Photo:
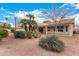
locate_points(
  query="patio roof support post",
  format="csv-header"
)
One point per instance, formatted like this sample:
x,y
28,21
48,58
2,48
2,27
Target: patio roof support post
x,y
70,29
64,29
46,30
56,29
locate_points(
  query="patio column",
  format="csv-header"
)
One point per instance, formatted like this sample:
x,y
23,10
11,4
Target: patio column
x,y
70,29
64,29
46,30
56,29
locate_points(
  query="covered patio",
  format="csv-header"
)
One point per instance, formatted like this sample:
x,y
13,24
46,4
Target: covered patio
x,y
62,27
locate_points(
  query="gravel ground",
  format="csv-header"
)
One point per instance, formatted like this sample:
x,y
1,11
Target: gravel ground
x,y
24,47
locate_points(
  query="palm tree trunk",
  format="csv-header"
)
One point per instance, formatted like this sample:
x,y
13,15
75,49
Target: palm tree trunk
x,y
25,27
15,23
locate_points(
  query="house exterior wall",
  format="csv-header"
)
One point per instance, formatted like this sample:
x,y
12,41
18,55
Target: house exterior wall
x,y
54,29
66,31
71,29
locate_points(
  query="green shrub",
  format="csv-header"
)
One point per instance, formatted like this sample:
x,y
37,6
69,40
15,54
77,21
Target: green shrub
x,y
51,42
34,34
29,34
20,34
3,33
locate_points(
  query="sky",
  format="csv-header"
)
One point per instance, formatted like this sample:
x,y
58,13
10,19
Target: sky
x,y
11,10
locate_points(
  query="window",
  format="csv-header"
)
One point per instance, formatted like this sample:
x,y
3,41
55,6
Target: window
x,y
53,28
60,28
48,28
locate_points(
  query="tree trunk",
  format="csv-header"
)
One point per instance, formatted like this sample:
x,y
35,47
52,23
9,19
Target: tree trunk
x,y
25,27
30,27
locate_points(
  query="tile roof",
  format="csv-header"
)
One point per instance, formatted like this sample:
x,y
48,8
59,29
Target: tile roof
x,y
61,22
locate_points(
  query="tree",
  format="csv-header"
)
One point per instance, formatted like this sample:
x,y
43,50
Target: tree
x,y
24,23
46,21
6,18
29,25
57,13
15,18
5,24
31,17
9,26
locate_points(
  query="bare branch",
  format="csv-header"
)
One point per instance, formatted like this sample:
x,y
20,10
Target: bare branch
x,y
55,13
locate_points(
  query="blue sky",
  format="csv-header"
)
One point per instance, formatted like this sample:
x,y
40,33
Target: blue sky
x,y
27,6
11,9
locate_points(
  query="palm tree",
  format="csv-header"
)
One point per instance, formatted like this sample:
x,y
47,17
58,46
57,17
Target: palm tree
x,y
29,25
31,17
46,21
5,24
6,18
30,20
15,18
9,26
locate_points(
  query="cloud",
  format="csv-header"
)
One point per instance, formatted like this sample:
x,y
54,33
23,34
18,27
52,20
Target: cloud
x,y
36,13
39,17
63,5
21,14
76,19
8,16
2,9
12,25
74,5
12,13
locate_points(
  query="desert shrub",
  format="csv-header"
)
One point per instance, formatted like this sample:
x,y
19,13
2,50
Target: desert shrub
x,y
12,30
32,34
51,42
0,38
20,34
76,32
36,34
3,33
41,30
1,26
29,34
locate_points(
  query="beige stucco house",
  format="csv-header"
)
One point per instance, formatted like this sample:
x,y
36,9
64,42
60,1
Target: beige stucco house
x,y
62,27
